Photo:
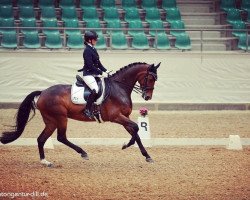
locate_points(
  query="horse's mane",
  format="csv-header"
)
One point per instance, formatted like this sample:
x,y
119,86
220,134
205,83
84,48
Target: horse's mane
x,y
126,67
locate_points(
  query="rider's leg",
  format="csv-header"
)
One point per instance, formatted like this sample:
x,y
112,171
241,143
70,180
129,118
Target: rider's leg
x,y
91,82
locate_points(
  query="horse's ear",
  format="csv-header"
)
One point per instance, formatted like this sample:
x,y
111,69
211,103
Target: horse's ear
x,y
158,65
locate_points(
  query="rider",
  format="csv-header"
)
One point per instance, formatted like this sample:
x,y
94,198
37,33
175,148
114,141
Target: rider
x,y
92,68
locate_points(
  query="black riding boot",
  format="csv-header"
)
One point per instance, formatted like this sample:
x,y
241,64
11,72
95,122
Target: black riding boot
x,y
91,99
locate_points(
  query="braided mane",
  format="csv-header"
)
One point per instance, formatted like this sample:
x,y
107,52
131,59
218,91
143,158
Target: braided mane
x,y
126,67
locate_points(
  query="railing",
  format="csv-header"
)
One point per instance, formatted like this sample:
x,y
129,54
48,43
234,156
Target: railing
x,y
146,30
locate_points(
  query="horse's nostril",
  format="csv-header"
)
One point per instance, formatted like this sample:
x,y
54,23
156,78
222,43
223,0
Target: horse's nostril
x,y
147,98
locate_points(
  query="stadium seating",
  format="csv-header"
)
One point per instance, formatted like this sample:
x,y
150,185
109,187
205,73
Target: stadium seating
x,y
94,25
6,2
69,13
140,41
166,4
90,14
115,25
238,25
183,42
46,4
8,22
66,4
245,5
50,23
177,25
26,12
118,41
29,23
53,41
227,4
111,14
233,15
162,42
173,14
149,4
137,26
132,14
31,40
75,41
25,3
87,4
153,14
154,26
72,23
242,44
107,4
6,11
48,13
9,40
126,4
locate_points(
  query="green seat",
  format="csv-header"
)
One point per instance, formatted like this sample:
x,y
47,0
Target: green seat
x,y
6,11
9,40
140,41
48,13
31,40
73,23
50,23
245,5
154,26
90,14
107,4
115,25
132,14
30,22
183,42
233,15
94,25
6,2
118,41
173,14
25,3
149,4
238,25
242,43
66,4
26,12
166,4
8,22
75,41
111,14
177,25
101,42
53,41
162,41
128,4
135,25
46,3
69,13
87,4
227,4
153,14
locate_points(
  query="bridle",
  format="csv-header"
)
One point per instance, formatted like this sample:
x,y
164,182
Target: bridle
x,y
144,88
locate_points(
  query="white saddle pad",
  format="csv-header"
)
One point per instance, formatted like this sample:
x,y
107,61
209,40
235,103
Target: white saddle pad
x,y
77,94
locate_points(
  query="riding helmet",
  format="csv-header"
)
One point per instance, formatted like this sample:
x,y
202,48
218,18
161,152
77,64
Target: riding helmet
x,y
90,35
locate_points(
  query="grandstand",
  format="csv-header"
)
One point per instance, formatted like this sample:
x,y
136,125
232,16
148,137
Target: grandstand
x,y
126,24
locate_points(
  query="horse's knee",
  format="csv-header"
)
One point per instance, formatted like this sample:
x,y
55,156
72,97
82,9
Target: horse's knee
x,y
135,128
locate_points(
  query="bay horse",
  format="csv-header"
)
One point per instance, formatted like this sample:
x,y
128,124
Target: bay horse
x,y
55,106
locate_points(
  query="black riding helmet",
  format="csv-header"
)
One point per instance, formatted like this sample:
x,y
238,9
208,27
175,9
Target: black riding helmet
x,y
90,35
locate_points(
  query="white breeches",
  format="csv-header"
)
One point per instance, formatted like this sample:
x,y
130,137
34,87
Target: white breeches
x,y
91,82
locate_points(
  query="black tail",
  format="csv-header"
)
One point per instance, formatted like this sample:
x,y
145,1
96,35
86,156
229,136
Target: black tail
x,y
22,118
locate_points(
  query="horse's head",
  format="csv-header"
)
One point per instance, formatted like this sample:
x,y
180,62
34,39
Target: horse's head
x,y
147,81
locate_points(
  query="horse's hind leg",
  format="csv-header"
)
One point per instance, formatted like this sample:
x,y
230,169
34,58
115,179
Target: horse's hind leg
x,y
47,132
61,137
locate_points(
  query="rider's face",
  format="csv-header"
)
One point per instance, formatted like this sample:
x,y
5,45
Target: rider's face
x,y
93,42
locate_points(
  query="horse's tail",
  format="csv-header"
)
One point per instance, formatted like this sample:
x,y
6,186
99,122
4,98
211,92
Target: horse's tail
x,y
22,118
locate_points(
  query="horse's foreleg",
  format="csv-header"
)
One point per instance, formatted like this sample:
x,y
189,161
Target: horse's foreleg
x,y
133,129
61,137
47,132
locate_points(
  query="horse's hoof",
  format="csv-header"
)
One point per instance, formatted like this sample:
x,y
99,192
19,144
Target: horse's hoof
x,y
85,156
124,146
46,163
150,160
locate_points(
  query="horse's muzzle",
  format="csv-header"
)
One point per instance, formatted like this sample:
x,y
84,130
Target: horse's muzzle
x,y
147,98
